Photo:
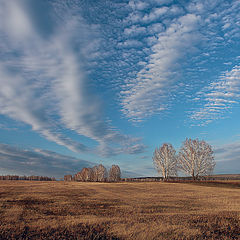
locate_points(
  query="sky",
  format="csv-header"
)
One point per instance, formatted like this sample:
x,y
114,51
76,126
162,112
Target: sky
x,y
84,82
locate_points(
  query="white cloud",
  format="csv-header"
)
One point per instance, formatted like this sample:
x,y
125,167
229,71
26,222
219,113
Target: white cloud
x,y
151,40
147,94
155,14
18,100
156,28
226,25
14,20
44,84
138,5
131,43
134,30
218,97
172,43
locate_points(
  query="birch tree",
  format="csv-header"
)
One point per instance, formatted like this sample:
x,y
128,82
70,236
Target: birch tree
x,y
68,178
99,173
86,174
95,174
102,173
196,158
78,177
114,174
165,160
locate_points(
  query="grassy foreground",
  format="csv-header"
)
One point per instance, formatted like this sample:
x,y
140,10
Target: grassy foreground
x,y
148,210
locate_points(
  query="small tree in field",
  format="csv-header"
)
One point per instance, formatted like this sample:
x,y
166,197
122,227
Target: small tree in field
x,y
99,173
196,158
78,177
114,174
165,160
102,173
95,174
86,174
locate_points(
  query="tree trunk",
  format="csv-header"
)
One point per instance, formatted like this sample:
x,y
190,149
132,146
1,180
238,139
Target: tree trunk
x,y
193,176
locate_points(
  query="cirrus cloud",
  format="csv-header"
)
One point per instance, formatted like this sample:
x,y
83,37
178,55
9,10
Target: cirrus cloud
x,y
45,84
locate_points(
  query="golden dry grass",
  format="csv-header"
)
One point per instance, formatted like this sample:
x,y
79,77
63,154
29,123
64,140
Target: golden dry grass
x,y
74,210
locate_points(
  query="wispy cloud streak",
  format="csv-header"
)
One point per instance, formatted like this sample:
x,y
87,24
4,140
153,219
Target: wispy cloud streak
x,y
218,97
44,83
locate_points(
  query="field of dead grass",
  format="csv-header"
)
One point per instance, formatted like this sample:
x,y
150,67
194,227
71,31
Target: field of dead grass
x,y
147,210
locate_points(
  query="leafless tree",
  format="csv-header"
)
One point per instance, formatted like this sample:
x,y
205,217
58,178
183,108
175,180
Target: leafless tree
x,y
114,174
78,177
101,173
68,178
165,160
196,158
86,174
95,174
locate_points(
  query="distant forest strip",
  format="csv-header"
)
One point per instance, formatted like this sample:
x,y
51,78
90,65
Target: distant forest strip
x,y
137,179
183,179
29,178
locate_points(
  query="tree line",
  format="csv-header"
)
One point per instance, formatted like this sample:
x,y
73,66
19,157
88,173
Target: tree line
x,y
96,174
195,158
30,178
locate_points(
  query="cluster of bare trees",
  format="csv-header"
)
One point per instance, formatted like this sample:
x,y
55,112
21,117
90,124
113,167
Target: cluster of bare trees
x,y
96,174
29,178
195,158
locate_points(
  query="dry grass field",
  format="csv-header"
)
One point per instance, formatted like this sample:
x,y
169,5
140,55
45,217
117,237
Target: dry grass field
x,y
74,210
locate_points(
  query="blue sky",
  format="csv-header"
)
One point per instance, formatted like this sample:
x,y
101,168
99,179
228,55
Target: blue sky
x,y
86,82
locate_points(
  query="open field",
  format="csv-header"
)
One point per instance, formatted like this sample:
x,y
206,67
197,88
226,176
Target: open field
x,y
229,176
148,210
213,183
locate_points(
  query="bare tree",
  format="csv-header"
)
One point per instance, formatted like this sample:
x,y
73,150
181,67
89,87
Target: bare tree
x,y
86,174
114,174
68,178
101,173
196,158
78,176
165,160
95,174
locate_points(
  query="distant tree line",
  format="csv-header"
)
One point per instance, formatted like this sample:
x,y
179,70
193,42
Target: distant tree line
x,y
195,158
96,174
29,178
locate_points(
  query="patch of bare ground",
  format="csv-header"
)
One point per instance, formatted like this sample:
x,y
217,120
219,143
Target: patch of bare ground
x,y
148,210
